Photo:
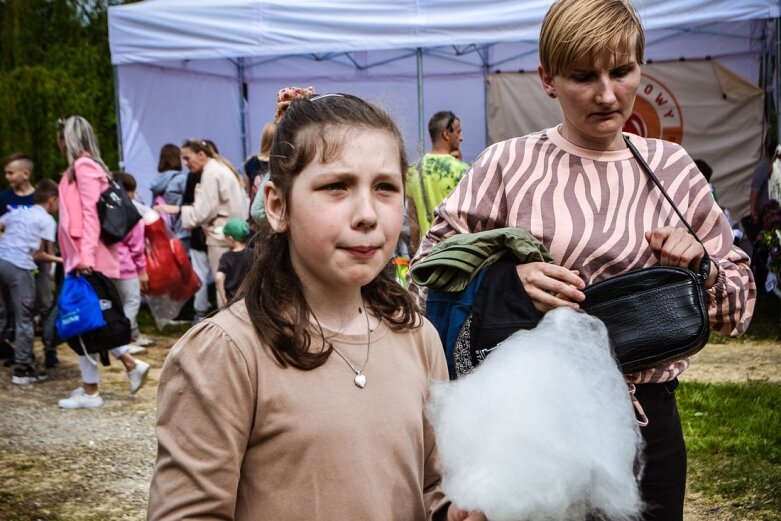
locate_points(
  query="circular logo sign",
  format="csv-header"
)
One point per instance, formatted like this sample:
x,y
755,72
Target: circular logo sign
x,y
656,113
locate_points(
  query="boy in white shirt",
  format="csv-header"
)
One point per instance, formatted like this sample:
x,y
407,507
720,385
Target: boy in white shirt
x,y
23,231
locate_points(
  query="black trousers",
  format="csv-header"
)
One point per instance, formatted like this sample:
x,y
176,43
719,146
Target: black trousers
x,y
663,484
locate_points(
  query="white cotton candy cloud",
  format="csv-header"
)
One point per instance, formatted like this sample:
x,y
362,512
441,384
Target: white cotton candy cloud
x,y
543,430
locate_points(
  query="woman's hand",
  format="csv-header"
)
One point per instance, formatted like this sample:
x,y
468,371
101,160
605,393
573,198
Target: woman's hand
x,y
456,514
551,286
83,269
166,208
675,246
143,281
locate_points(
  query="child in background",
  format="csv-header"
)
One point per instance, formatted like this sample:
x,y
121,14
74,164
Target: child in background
x,y
25,232
18,169
132,268
234,263
321,371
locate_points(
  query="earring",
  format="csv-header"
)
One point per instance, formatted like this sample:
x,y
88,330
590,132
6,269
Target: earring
x,y
552,95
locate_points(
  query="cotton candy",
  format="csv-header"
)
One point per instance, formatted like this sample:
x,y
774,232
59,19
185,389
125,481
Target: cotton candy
x,y
543,430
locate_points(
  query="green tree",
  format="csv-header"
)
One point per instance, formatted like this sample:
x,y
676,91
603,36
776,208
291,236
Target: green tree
x,y
54,61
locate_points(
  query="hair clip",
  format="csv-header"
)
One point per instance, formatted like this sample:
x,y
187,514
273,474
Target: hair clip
x,y
321,96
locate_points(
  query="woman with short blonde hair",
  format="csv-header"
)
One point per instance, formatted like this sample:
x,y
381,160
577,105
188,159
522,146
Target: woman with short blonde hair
x,y
579,190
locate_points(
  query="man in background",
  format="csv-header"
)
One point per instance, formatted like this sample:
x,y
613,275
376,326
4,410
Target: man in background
x,y
435,175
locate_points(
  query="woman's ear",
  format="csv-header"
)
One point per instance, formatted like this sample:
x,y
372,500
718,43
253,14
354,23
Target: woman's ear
x,y
275,207
547,82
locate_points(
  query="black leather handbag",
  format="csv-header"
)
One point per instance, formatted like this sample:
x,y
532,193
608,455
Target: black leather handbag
x,y
653,315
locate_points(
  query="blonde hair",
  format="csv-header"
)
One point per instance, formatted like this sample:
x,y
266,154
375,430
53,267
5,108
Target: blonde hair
x,y
78,136
574,31
266,139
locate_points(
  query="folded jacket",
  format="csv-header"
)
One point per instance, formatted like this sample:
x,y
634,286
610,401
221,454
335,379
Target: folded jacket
x,y
453,263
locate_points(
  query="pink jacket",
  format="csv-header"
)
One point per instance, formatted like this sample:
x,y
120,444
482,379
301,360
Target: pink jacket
x,y
79,228
132,261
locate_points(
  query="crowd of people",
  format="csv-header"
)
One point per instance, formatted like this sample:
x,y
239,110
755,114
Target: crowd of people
x,y
318,363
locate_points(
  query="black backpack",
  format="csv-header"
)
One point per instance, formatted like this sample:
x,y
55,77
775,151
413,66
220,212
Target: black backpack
x,y
117,213
115,333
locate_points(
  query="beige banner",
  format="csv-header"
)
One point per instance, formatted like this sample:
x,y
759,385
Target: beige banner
x,y
714,113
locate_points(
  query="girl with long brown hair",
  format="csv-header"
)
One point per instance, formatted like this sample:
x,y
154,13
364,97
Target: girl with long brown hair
x,y
305,398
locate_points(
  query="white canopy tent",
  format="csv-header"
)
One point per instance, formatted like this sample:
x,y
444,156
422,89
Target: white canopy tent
x,y
206,69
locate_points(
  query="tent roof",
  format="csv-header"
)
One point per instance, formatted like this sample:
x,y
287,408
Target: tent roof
x,y
165,30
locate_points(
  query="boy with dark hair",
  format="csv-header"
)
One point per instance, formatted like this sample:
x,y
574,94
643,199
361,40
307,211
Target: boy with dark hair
x,y
18,169
22,243
234,263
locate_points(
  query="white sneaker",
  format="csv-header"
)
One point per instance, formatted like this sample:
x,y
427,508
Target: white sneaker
x,y
137,376
143,341
135,349
81,400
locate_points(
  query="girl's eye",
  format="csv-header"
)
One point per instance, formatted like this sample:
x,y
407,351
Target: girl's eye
x,y
388,187
333,187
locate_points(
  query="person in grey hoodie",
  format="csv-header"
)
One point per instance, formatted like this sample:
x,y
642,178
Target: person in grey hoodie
x,y
170,185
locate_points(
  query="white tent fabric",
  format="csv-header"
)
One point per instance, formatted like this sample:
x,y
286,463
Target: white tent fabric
x,y
163,30
197,68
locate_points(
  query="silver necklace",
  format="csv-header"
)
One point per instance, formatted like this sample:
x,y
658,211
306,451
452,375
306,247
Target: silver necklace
x,y
360,378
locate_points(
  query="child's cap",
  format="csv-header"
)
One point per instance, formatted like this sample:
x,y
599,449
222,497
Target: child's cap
x,y
236,228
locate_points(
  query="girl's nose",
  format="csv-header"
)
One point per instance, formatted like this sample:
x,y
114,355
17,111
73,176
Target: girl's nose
x,y
364,213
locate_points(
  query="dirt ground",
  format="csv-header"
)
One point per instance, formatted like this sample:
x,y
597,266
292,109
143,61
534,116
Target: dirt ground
x,y
58,465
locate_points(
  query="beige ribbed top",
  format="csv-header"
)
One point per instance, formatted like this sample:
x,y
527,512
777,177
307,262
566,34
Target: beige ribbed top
x,y
242,438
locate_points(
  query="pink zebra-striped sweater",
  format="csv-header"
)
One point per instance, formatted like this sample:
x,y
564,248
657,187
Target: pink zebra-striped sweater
x,y
591,209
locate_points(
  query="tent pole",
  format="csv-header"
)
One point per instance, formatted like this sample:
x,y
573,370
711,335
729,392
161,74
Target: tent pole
x,y
485,94
775,77
421,135
118,116
242,108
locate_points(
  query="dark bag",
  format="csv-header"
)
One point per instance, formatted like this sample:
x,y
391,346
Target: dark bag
x,y
116,332
117,213
653,315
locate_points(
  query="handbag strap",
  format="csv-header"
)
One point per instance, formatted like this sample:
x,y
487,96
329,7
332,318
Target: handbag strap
x,y
705,263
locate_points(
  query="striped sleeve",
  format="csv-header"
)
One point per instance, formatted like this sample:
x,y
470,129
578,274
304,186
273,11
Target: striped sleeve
x,y
732,297
476,204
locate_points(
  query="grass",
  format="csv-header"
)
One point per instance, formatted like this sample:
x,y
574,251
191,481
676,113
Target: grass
x,y
733,437
733,432
765,325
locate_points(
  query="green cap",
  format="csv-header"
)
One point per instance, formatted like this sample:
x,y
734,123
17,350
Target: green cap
x,y
236,228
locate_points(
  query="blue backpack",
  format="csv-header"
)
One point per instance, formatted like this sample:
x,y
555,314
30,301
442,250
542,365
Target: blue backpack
x,y
79,309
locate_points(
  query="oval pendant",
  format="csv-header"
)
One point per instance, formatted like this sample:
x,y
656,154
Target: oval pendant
x,y
360,380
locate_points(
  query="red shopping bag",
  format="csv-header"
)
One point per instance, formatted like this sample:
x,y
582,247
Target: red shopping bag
x,y
161,267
